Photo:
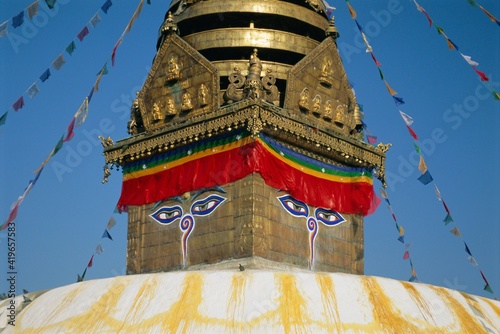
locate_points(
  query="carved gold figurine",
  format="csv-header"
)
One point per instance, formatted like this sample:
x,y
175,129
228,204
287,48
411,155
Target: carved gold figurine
x,y
173,68
170,106
317,105
339,116
157,115
304,100
328,111
203,95
326,78
186,102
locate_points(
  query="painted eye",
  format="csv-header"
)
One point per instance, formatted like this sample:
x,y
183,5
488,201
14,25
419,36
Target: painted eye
x,y
329,217
206,206
166,215
294,207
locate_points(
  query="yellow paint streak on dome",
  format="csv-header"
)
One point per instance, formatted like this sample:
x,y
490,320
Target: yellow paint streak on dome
x,y
468,323
478,309
329,300
420,301
235,304
387,316
292,306
493,306
141,301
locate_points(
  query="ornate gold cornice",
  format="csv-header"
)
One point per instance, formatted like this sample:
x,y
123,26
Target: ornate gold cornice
x,y
256,116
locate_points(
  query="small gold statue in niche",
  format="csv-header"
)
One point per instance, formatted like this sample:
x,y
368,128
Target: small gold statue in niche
x,y
304,100
339,116
157,115
203,95
173,68
170,106
326,78
186,102
317,105
327,116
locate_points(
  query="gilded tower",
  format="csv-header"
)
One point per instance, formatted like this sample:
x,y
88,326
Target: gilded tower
x,y
246,144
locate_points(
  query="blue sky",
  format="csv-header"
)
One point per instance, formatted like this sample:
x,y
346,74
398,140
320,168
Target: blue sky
x,y
61,221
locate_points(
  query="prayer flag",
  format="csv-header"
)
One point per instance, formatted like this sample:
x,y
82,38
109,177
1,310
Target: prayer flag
x,y
71,48
472,261
413,273
422,10
439,30
32,9
134,17
70,133
467,249
412,133
3,118
391,91
351,11
472,3
33,90
368,46
401,230
496,96
111,223
371,139
51,4
95,20
402,239
388,202
359,26
89,97
491,17
106,6
58,147
45,75
488,288
481,74
406,255
106,235
422,167
90,262
383,193
18,19
447,219
451,45
446,207
381,74
438,193
425,178
18,104
113,53
375,59
4,28
360,106
484,278
398,100
406,118
99,249
455,231
84,32
412,279
104,70
394,217
81,278
417,149
82,112
58,63
469,60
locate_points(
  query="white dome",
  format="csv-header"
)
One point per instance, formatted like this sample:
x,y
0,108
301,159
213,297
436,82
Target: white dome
x,y
255,301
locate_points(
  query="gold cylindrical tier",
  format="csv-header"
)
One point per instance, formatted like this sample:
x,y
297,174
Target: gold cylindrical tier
x,y
248,37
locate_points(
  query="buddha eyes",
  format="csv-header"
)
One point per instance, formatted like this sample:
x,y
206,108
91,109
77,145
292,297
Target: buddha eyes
x,y
293,206
166,215
207,205
329,217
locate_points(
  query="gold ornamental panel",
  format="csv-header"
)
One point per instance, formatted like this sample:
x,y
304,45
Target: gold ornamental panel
x,y
181,84
225,68
251,37
281,8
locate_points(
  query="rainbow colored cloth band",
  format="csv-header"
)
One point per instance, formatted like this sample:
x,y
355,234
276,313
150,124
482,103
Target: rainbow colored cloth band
x,y
231,157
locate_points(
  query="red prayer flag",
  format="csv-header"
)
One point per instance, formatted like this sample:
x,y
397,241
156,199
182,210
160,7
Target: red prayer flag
x,y
371,139
412,133
18,104
113,53
375,59
71,133
406,256
484,278
481,74
446,208
90,262
84,32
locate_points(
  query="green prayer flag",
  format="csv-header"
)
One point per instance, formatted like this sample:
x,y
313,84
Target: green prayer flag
x,y
58,146
381,74
3,118
71,47
488,288
439,29
104,70
447,219
472,3
417,149
50,3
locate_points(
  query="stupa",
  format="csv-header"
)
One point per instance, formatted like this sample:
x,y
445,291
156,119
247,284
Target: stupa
x,y
246,179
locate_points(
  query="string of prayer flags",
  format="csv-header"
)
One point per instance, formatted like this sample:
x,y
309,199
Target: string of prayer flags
x,y
453,46
401,231
106,234
473,3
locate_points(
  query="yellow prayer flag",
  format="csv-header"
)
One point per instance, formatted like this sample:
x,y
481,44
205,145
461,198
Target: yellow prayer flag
x,y
422,167
391,91
413,272
352,11
450,44
401,230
